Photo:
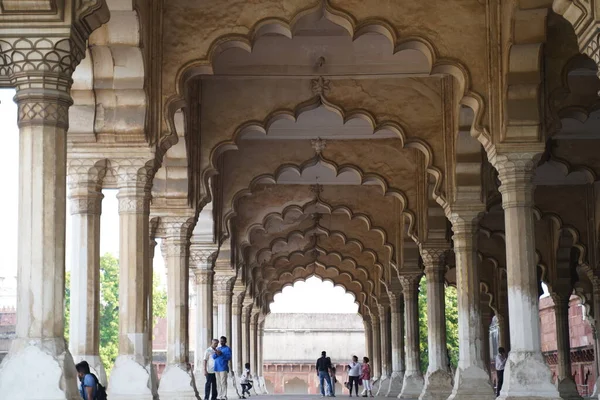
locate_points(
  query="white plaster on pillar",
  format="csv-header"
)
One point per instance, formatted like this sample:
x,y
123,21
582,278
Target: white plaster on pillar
x,y
177,381
438,380
471,380
40,349
526,375
397,342
413,377
85,195
567,388
376,357
386,350
132,376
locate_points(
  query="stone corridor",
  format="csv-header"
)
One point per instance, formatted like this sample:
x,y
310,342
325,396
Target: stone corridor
x,y
264,142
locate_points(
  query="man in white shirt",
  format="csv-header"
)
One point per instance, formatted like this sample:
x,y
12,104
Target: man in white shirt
x,y
209,371
500,363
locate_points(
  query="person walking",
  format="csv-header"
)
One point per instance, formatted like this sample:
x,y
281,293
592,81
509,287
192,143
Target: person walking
x,y
246,381
332,373
323,368
500,363
209,372
354,372
89,385
366,377
222,357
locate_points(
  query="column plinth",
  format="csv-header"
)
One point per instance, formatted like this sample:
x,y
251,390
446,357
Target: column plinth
x,y
413,377
438,380
526,374
397,342
471,380
177,381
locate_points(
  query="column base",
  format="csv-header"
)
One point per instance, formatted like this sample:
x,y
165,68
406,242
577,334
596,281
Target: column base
x,y
256,386
263,385
177,383
567,389
96,367
472,383
438,385
596,392
526,376
395,384
383,385
131,380
232,388
412,386
48,360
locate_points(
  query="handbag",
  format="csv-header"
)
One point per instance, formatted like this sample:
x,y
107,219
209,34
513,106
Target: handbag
x,y
359,381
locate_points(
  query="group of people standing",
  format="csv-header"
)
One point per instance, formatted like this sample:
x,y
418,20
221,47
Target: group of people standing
x,y
359,374
216,370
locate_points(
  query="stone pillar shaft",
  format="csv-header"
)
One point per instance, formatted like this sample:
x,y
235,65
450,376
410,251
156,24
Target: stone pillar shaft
x,y
376,340
177,263
526,373
386,345
413,377
246,318
43,101
85,204
223,283
438,381
133,277
397,343
397,334
471,380
236,331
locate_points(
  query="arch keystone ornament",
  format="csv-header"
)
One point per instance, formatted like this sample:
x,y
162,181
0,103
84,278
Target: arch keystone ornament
x,y
38,54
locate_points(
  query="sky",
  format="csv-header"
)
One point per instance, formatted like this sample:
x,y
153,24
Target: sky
x,y
299,298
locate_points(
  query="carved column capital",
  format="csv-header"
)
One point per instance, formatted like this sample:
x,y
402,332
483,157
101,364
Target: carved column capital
x,y
410,284
203,276
134,177
84,177
516,171
202,256
434,259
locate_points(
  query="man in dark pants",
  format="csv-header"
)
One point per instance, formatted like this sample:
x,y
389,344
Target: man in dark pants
x,y
500,363
323,368
209,372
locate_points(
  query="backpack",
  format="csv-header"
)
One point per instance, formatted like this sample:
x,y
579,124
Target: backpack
x,y
100,390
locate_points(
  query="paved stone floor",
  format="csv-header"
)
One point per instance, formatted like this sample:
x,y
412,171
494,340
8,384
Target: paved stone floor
x,y
296,397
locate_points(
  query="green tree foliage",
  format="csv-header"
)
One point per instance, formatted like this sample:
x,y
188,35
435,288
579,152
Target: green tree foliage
x,y
451,324
109,308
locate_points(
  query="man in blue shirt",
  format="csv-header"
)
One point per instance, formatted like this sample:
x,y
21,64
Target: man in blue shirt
x,y
222,357
88,387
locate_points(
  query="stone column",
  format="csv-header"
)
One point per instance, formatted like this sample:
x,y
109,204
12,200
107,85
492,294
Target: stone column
x,y
177,381
438,380
526,374
223,284
471,380
85,195
368,336
246,318
397,339
596,331
486,320
564,382
253,347
260,354
376,341
237,328
43,83
413,377
131,377
386,349
202,256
